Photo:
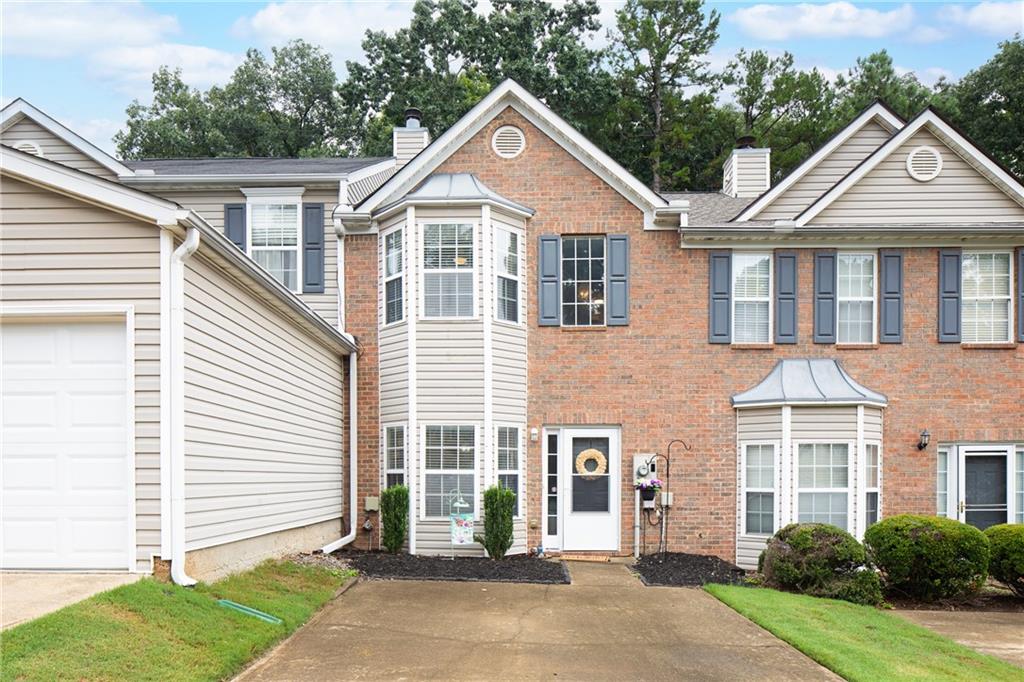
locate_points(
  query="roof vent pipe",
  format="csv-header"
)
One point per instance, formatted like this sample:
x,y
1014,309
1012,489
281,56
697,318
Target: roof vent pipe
x,y
409,141
413,117
746,142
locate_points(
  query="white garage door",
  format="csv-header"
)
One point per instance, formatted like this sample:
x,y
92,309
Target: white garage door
x,y
65,477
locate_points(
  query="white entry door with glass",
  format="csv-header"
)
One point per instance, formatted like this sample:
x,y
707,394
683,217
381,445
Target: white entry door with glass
x,y
582,471
980,484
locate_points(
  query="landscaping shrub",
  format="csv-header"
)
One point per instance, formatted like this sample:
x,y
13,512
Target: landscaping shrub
x,y
928,557
499,504
1007,555
819,560
394,517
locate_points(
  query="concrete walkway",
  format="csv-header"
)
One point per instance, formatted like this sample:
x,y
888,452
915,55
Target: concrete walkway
x,y
997,633
24,596
605,626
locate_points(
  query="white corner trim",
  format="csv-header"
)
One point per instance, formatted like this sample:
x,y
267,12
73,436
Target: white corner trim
x,y
945,132
877,110
412,432
487,276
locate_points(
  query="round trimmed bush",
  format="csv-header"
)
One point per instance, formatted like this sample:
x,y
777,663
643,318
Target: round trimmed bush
x,y
928,557
819,560
1007,555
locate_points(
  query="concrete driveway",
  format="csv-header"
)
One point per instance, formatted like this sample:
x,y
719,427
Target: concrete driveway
x,y
24,596
604,626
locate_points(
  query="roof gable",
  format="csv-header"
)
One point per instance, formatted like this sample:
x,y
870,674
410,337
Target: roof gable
x,y
971,187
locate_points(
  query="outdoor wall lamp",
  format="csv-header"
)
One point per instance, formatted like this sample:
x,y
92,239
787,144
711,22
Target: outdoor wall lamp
x,y
922,443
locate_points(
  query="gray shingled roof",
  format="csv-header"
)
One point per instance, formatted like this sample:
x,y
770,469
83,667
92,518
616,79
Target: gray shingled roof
x,y
441,187
253,166
804,381
710,208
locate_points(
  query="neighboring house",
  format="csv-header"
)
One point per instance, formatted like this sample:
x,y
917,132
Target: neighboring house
x,y
528,313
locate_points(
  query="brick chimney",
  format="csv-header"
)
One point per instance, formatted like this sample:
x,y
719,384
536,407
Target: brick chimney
x,y
409,141
747,171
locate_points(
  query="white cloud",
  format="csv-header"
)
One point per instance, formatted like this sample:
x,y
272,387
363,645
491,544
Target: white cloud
x,y
927,76
131,69
832,20
994,18
99,131
927,34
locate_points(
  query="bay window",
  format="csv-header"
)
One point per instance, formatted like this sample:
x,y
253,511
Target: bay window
x,y
508,461
394,456
449,470
823,482
506,273
759,488
274,237
855,297
986,297
448,274
393,268
583,281
872,470
751,297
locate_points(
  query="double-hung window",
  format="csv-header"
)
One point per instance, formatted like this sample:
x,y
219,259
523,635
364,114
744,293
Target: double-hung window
x,y
855,314
751,297
987,295
393,268
872,467
448,279
759,488
583,281
823,483
449,470
508,461
394,456
274,237
506,272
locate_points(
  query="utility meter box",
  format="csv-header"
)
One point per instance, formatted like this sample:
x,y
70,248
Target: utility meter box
x,y
372,503
645,468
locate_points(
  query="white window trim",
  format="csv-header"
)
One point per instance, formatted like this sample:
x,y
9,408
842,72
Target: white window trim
x,y
421,503
851,472
389,278
550,541
519,470
1011,294
561,262
276,195
423,271
774,490
733,298
862,463
949,452
384,453
518,277
873,298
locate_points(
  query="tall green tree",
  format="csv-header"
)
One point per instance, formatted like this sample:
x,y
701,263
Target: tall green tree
x,y
875,77
659,51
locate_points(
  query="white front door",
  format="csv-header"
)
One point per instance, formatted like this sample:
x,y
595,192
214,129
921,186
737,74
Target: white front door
x,y
590,481
65,463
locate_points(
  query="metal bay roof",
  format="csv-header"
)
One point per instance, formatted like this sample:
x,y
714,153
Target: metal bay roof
x,y
808,382
456,187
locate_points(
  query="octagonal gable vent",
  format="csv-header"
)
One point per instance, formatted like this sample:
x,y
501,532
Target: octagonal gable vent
x,y
508,142
29,148
924,163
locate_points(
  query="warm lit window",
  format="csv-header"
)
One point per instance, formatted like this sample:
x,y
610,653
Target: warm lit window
x,y
856,298
506,272
449,470
448,281
751,297
872,469
274,239
508,461
394,456
759,488
986,297
393,267
583,281
823,483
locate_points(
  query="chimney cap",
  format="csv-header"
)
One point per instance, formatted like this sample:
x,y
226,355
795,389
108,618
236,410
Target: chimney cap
x,y
746,142
413,117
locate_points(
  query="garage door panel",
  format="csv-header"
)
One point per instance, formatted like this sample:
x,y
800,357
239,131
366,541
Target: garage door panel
x,y
29,473
92,409
27,410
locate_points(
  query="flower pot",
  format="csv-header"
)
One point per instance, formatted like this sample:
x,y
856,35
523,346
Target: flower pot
x,y
648,494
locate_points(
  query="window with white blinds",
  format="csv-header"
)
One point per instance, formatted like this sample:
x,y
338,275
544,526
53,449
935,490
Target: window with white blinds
x,y
274,240
506,272
448,275
449,457
856,297
394,456
751,297
986,296
393,267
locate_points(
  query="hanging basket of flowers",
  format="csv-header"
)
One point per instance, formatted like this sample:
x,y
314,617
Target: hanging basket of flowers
x,y
648,488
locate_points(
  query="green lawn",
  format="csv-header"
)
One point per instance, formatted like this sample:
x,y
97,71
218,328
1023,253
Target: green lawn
x,y
861,642
155,631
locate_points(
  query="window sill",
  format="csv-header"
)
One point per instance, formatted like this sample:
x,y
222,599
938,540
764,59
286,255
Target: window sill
x,y
753,346
989,346
601,328
856,346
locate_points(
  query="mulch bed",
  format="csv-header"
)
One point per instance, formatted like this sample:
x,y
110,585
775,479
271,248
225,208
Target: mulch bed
x,y
992,597
513,569
676,569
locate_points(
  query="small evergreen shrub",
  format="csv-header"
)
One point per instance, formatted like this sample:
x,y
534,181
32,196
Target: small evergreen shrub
x,y
499,505
1007,555
928,557
819,560
394,517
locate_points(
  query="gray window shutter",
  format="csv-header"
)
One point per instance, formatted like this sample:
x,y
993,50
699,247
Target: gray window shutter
x,y
234,224
312,248
1020,294
720,297
618,280
890,316
949,295
549,291
825,274
785,296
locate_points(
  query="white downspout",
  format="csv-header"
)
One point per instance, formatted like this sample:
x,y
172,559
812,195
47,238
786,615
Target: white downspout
x,y
353,440
177,412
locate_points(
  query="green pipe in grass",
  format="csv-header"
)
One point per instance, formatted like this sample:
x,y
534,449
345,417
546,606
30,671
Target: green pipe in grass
x,y
249,611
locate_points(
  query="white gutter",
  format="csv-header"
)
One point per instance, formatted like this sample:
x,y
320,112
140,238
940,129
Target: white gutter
x,y
177,412
353,441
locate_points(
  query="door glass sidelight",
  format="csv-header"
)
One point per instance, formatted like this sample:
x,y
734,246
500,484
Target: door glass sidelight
x,y
985,500
552,484
591,477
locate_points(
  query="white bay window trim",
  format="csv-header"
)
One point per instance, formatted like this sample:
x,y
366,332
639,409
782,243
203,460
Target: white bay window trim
x,y
843,332
745,259
395,454
425,272
870,487
260,197
773,490
814,489
424,472
994,298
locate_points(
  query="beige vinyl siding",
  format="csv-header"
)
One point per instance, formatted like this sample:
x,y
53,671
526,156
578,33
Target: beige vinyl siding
x,y
408,143
394,339
263,415
760,423
872,424
755,424
746,174
53,148
433,537
888,194
509,342
832,424
828,172
58,250
209,203
748,550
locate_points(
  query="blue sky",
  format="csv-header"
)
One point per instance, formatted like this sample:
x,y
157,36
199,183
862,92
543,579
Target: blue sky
x,y
83,62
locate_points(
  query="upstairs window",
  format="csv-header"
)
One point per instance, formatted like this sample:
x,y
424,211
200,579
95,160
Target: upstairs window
x,y
986,287
583,281
506,270
274,239
448,275
751,297
856,297
393,267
